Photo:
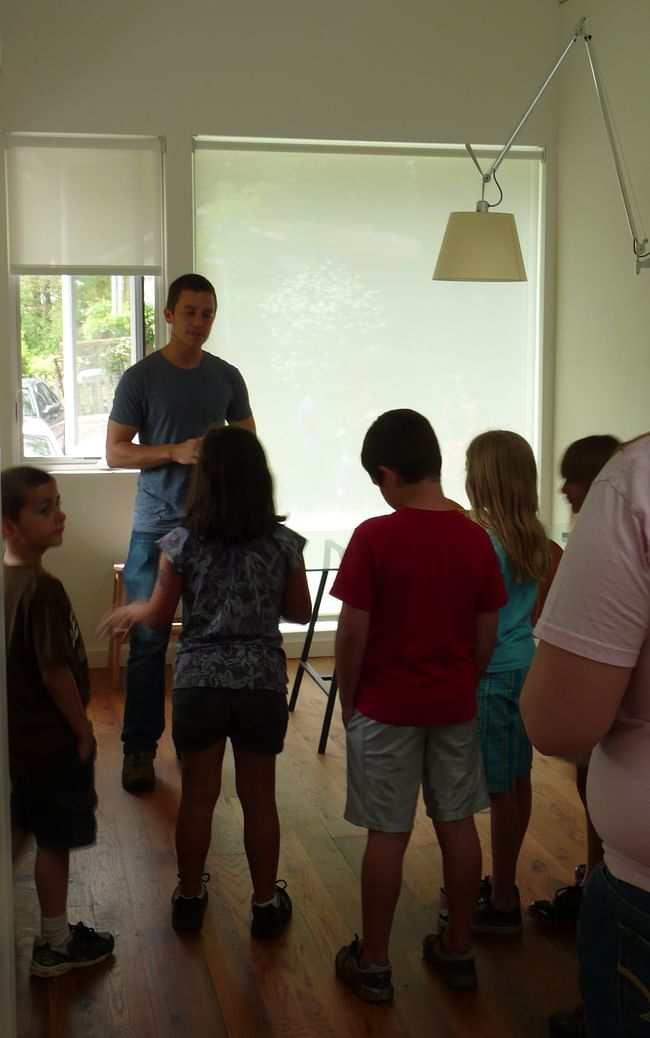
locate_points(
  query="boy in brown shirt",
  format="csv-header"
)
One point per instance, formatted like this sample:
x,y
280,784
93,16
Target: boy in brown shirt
x,y
51,740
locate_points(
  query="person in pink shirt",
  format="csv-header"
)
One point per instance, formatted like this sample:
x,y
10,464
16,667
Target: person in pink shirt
x,y
589,689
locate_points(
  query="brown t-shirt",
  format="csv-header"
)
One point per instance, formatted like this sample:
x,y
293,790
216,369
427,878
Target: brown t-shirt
x,y
41,629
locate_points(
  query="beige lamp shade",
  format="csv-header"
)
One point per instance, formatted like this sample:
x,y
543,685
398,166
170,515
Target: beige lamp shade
x,y
480,247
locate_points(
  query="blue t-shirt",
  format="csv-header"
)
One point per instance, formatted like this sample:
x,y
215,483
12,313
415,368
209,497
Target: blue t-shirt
x,y
232,597
515,646
168,404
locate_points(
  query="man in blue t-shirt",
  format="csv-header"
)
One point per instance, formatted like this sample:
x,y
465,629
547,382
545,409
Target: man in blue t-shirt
x,y
167,400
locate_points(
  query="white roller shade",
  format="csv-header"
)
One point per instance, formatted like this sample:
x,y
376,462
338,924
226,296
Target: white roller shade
x,y
84,205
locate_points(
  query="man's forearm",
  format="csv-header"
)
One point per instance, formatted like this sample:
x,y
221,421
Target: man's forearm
x,y
139,456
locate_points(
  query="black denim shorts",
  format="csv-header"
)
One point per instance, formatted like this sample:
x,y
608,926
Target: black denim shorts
x,y
58,807
253,719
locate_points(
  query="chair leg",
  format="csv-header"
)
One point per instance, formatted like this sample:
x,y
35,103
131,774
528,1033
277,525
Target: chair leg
x,y
329,710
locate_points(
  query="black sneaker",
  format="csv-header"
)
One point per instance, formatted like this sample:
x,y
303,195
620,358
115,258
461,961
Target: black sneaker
x,y
188,912
370,983
561,910
484,891
84,947
457,969
489,920
138,775
270,920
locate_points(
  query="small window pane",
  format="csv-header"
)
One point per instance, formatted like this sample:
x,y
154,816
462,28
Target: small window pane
x,y
77,336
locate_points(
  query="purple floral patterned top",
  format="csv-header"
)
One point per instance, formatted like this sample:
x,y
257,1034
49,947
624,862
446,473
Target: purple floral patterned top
x,y
232,595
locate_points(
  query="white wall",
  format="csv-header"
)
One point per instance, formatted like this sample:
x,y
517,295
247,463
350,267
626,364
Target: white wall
x,y
297,68
603,308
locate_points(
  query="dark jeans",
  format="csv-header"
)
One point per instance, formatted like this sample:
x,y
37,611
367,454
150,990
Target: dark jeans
x,y
144,710
614,954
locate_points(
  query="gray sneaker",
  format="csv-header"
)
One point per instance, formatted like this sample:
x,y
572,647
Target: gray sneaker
x,y
458,969
84,947
138,775
371,984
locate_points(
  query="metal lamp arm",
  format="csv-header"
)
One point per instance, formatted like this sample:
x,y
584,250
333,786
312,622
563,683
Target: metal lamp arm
x,y
579,31
640,245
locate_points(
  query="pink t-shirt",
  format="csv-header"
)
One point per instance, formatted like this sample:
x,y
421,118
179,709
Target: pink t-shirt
x,y
599,607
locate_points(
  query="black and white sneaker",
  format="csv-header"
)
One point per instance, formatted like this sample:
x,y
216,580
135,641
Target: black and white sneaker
x,y
270,920
188,912
84,947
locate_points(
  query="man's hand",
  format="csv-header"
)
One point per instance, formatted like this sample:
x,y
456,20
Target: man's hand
x,y
187,452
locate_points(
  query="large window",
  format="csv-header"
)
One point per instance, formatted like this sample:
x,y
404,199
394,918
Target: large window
x,y
85,245
322,258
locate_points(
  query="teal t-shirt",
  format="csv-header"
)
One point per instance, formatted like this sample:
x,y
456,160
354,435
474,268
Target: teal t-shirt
x,y
515,643
167,404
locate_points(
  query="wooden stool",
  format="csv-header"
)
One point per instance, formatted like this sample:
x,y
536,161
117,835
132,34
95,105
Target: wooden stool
x,y
115,642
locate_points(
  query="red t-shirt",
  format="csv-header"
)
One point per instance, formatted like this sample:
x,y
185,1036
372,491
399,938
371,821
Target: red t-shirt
x,y
423,576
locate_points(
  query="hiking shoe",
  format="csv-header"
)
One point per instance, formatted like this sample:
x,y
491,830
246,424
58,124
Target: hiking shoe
x,y
138,775
567,1024
270,920
484,891
84,947
562,910
188,912
369,983
457,969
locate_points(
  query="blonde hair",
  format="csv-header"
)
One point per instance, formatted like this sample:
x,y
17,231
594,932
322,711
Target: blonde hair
x,y
502,487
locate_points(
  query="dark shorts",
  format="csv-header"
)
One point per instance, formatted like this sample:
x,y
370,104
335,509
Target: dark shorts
x,y
254,719
58,807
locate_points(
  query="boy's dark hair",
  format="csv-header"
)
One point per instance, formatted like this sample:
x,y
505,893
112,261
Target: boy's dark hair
x,y
583,459
402,440
232,489
15,484
189,283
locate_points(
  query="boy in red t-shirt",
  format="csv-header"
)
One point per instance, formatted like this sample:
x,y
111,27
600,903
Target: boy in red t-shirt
x,y
51,740
421,590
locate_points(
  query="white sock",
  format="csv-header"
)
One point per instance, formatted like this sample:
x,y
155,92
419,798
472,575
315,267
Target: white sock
x,y
55,931
275,901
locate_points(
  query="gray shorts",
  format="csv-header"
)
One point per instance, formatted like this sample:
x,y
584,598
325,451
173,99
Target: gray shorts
x,y
388,763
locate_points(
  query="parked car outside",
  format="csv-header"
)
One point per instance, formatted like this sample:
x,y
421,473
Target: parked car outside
x,y
39,440
39,401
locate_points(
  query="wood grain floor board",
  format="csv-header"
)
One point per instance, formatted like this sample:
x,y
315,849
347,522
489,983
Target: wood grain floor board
x,y
221,983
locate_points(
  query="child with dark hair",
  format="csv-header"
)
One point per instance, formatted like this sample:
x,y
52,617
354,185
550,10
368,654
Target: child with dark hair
x,y
420,590
238,570
51,740
581,463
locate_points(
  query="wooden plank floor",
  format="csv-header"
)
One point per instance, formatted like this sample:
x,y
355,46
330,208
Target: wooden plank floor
x,y
161,985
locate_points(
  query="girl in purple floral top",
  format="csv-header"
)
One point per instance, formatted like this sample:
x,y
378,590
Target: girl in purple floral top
x,y
238,570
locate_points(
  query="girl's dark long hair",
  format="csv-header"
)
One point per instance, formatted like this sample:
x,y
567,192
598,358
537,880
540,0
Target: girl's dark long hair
x,y
231,498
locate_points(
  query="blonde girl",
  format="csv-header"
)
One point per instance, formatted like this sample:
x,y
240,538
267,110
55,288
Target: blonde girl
x,y
502,489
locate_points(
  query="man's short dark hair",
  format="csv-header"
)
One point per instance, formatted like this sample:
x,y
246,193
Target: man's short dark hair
x,y
189,283
16,482
402,440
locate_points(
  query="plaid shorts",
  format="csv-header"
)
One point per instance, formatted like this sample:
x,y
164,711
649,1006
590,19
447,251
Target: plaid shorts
x,y
507,752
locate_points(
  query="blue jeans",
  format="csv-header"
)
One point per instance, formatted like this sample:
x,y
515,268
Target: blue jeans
x,y
614,954
144,710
